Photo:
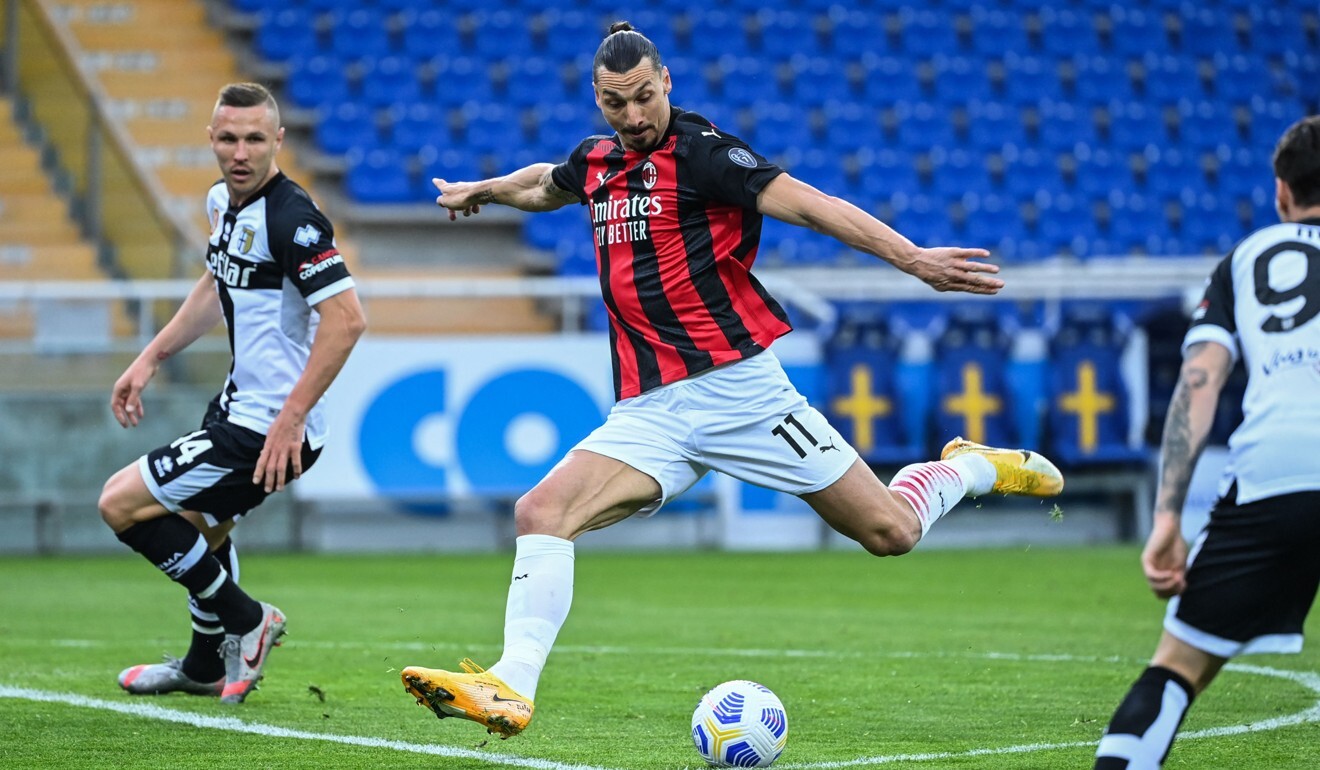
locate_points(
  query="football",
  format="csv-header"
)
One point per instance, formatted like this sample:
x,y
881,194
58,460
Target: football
x,y
740,724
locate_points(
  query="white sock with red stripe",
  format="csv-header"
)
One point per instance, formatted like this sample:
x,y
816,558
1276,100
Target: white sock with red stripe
x,y
932,489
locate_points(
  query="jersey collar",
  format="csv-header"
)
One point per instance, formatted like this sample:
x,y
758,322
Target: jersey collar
x,y
260,193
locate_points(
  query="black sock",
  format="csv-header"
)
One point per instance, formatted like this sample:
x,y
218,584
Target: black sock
x,y
179,550
203,662
1142,730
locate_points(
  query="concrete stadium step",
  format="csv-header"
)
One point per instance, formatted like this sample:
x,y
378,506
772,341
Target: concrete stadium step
x,y
40,262
444,315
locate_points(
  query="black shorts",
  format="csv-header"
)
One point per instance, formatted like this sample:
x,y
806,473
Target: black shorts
x,y
210,471
1251,577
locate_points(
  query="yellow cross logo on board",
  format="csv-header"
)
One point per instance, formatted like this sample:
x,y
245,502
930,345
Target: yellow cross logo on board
x,y
974,404
1088,403
862,407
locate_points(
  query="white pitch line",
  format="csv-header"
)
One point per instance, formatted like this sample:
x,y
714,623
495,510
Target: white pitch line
x,y
234,725
1308,680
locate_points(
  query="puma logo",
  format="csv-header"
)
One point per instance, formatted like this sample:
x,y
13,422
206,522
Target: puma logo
x,y
711,133
829,446
520,577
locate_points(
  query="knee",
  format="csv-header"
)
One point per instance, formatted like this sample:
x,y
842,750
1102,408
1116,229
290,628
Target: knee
x,y
113,512
536,514
894,541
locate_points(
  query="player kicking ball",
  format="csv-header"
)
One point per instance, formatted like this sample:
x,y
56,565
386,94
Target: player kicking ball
x,y
676,205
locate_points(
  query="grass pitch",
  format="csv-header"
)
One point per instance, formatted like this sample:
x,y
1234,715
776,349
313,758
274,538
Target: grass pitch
x,y
986,659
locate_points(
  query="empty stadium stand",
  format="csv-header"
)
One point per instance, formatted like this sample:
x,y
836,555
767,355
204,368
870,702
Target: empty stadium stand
x,y
1157,118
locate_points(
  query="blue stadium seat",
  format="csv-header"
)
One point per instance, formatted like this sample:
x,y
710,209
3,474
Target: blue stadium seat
x,y
501,34
378,175
960,79
414,125
1089,402
922,218
1238,78
820,169
887,171
1100,172
1137,31
927,32
1270,118
972,397
460,79
922,125
1207,32
784,31
345,126
778,127
317,81
1029,172
1170,79
862,397
889,81
993,125
430,33
993,223
717,33
1276,29
1100,79
1134,126
389,79
1064,125
851,126
1065,32
532,80
1030,79
570,32
1171,173
359,33
285,34
857,34
1204,125
819,81
745,80
997,31
957,172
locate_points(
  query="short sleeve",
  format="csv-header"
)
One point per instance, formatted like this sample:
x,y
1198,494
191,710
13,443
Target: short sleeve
x,y
571,175
1213,320
302,242
726,169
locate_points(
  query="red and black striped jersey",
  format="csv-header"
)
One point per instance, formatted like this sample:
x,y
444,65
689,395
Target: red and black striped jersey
x,y
676,232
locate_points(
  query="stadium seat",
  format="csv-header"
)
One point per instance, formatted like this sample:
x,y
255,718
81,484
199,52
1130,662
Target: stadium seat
x,y
389,79
430,32
287,33
1170,79
819,81
857,34
1088,399
997,31
960,79
345,127
717,33
922,125
359,33
1065,32
1030,79
927,32
778,127
317,81
972,399
885,172
378,176
501,34
1063,125
890,80
1136,31
1207,32
851,126
862,399
993,125
460,79
783,30
1100,79
413,125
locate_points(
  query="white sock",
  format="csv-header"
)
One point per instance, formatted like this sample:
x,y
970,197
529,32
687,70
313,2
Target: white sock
x,y
932,489
539,598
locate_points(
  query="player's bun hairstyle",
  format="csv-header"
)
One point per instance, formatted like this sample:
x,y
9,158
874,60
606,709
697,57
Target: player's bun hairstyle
x,y
1297,161
248,95
622,49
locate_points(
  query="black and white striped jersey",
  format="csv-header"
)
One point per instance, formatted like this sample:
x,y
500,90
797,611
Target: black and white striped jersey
x,y
1261,303
274,259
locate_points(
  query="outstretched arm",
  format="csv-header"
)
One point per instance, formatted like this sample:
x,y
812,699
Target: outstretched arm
x,y
530,189
342,322
944,269
1191,412
198,314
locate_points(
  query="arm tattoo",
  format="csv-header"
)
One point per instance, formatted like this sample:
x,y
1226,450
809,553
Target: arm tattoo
x,y
553,190
484,197
1181,448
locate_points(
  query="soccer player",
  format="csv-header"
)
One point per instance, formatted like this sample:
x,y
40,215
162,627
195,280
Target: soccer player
x,y
271,261
676,205
1253,572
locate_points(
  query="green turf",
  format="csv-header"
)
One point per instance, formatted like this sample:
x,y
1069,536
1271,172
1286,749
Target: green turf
x,y
933,653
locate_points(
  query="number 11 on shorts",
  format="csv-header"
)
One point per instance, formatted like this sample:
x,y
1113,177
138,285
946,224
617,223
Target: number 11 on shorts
x,y
781,431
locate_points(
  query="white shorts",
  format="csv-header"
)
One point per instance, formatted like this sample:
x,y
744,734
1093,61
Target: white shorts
x,y
744,419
